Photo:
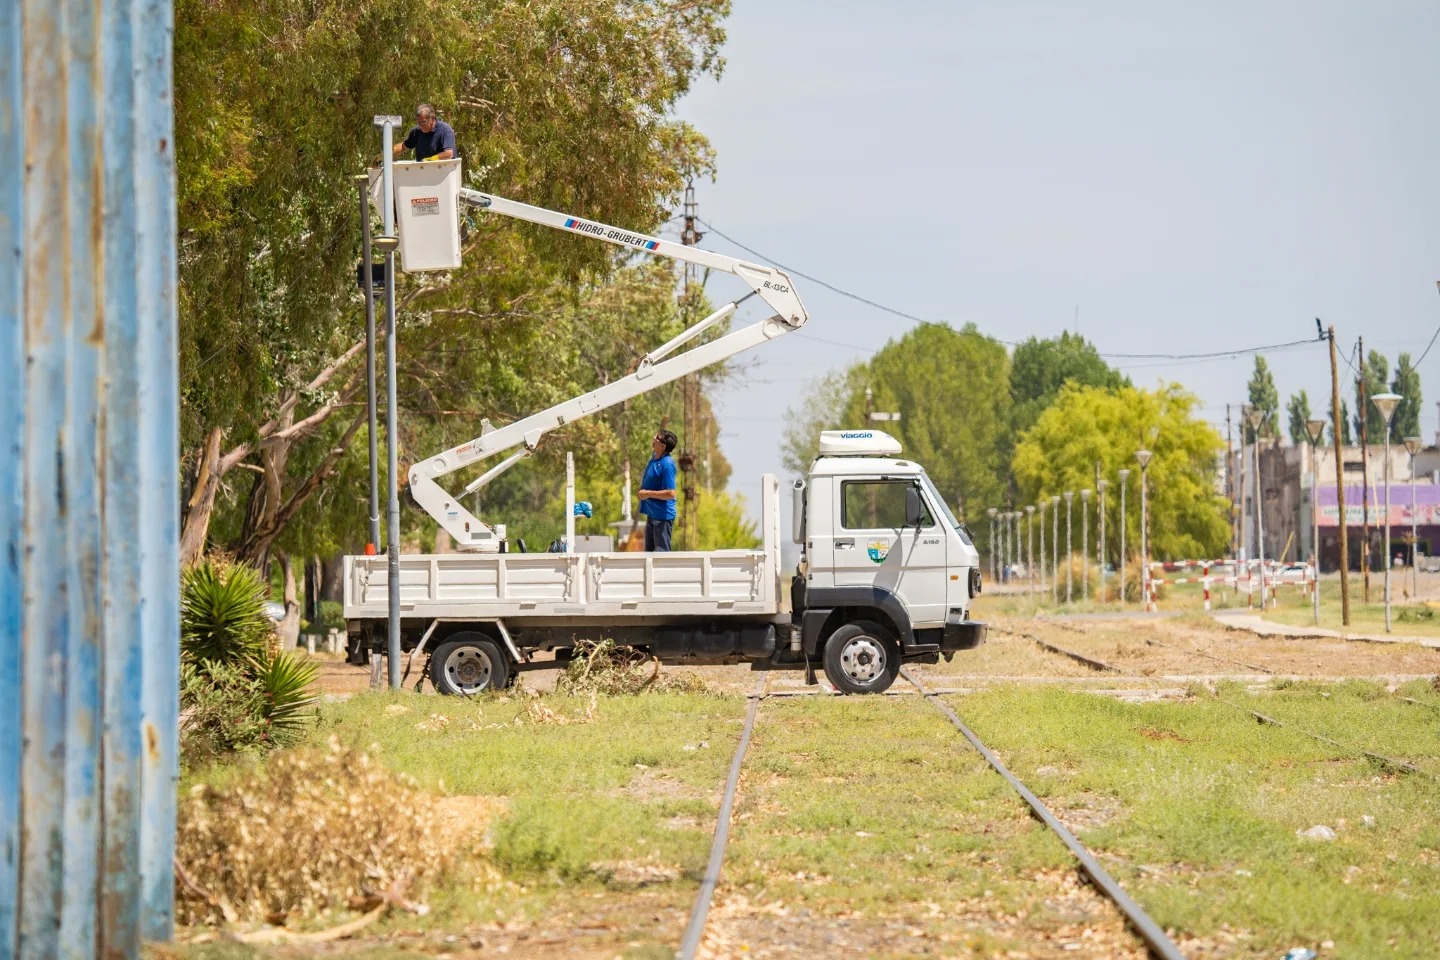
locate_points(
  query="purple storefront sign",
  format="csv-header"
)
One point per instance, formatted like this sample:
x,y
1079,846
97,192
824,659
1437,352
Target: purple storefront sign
x,y
1427,505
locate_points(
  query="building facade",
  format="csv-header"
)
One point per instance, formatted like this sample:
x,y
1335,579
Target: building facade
x,y
1294,485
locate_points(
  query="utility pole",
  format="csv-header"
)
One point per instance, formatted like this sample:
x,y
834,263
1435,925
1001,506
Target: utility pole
x,y
367,280
1230,489
690,386
1364,480
387,245
1335,426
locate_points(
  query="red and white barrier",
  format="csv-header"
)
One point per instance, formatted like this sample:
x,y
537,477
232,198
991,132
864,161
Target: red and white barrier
x,y
1269,577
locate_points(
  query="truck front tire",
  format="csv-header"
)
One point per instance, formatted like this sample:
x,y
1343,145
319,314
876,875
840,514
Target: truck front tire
x,y
468,664
862,657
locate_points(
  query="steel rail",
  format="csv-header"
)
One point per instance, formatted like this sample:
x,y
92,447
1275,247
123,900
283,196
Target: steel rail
x,y
701,910
1389,763
1155,938
1170,646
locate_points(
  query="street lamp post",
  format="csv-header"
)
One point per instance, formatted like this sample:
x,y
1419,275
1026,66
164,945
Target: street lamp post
x,y
1316,430
1255,418
1100,486
1412,446
1041,507
1004,546
1085,545
1386,404
1144,457
1124,476
1069,549
994,565
1055,542
1015,516
1030,550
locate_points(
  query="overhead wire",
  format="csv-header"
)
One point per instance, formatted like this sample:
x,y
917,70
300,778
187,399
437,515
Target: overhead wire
x,y
1173,357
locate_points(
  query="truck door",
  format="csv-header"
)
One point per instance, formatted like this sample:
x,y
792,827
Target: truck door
x,y
873,547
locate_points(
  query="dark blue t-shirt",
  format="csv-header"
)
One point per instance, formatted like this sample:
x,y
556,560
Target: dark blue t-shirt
x,y
659,475
438,140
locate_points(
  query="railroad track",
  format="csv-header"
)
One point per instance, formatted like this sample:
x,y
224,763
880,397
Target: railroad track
x,y
1156,941
1388,763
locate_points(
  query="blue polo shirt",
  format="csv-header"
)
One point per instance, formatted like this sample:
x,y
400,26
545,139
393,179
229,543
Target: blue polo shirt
x,y
659,475
426,145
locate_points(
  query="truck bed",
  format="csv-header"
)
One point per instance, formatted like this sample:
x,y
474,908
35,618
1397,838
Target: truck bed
x,y
568,585
617,585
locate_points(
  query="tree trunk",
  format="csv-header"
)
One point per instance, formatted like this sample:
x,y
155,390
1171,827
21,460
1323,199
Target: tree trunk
x,y
195,527
289,628
333,579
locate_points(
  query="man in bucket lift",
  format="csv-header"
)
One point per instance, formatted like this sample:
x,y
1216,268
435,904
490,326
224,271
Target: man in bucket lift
x,y
657,493
431,138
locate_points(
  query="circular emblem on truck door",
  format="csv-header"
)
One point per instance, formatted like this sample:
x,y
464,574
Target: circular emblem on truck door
x,y
878,550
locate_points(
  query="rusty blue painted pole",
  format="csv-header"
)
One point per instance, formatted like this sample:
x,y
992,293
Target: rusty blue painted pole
x,y
12,430
89,613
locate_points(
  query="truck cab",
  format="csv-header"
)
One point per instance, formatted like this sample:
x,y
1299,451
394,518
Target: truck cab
x,y
887,573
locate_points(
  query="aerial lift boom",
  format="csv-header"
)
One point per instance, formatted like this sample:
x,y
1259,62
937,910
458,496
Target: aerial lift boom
x,y
654,370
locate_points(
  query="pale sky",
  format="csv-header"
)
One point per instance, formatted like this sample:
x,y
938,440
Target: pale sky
x,y
1195,177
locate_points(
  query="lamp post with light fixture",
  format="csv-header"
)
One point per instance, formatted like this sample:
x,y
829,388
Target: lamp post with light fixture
x,y
1143,456
1255,417
1069,548
1030,550
1124,475
1316,430
994,558
1412,446
1386,404
1055,541
1100,547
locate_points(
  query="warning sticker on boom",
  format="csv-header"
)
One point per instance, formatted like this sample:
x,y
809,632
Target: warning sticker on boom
x,y
425,206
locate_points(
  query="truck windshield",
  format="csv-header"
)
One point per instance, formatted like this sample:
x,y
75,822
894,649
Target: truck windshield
x,y
960,528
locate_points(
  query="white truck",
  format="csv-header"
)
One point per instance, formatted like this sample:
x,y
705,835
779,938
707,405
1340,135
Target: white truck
x,y
886,576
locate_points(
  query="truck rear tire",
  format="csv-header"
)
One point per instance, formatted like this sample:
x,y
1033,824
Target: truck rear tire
x,y
467,664
862,657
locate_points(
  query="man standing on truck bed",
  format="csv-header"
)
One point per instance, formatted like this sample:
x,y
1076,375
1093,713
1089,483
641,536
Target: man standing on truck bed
x,y
657,493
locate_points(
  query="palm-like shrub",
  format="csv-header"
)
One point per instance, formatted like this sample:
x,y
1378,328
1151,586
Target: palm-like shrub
x,y
222,613
238,691
285,690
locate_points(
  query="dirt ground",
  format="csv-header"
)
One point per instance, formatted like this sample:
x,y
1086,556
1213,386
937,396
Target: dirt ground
x,y
1155,651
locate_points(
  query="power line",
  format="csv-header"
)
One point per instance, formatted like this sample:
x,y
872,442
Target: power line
x,y
1428,346
1191,357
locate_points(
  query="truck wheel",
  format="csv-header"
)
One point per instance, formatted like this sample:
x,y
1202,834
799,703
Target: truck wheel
x,y
862,657
468,664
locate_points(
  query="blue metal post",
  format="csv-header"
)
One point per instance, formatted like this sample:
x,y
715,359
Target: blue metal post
x,y
12,432
89,612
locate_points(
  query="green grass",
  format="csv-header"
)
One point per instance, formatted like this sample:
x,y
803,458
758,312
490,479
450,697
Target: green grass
x,y
1209,803
874,810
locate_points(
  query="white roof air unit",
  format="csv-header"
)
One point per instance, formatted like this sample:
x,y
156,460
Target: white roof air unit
x,y
858,443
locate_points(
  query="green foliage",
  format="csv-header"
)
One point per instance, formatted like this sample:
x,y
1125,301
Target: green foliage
x,y
1297,411
1407,413
1265,398
825,406
1040,368
1346,437
1087,426
1376,373
274,102
222,614
237,692
221,711
952,390
285,681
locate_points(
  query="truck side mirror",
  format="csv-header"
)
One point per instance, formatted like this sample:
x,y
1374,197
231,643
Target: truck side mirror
x,y
912,507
